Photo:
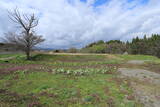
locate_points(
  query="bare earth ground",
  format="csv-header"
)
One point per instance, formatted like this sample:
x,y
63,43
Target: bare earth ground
x,y
145,84
136,62
8,58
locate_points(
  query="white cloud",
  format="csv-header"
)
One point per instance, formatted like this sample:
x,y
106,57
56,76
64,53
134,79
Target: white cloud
x,y
74,24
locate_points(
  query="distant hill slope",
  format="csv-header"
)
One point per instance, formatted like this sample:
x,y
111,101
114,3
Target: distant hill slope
x,y
4,47
111,47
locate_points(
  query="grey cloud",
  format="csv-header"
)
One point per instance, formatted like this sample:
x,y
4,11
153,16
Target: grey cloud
x,y
74,24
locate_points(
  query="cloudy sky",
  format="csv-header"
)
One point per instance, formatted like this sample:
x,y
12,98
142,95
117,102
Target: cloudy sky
x,y
75,23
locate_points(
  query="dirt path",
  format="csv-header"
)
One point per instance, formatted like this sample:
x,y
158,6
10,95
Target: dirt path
x,y
8,58
139,62
145,84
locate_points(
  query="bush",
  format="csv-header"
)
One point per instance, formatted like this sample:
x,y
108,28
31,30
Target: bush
x,y
115,48
72,50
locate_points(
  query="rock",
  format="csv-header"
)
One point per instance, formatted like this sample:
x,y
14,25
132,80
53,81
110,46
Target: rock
x,y
125,53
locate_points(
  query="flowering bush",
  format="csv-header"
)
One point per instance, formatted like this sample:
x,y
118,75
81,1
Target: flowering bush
x,y
86,71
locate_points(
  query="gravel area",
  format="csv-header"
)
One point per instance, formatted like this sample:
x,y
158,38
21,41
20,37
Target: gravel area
x,y
145,84
136,62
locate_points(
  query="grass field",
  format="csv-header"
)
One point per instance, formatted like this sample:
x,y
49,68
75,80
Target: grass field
x,y
66,81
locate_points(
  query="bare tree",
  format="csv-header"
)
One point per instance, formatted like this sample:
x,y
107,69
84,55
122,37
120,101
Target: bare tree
x,y
27,38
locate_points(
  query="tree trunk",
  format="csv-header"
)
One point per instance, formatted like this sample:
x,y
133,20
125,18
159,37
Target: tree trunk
x,y
28,46
28,55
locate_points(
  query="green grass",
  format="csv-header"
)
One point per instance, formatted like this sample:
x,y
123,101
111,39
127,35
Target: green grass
x,y
67,90
139,57
9,55
44,81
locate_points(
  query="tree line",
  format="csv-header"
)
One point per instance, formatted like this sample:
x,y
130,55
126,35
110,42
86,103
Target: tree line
x,y
145,46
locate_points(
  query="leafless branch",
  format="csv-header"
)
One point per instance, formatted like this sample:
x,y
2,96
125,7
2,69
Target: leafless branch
x,y
28,38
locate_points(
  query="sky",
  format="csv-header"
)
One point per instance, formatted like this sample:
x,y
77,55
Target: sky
x,y
75,23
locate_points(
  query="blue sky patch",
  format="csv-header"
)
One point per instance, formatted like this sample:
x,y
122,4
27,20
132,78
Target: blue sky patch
x,y
83,0
97,2
101,2
140,1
